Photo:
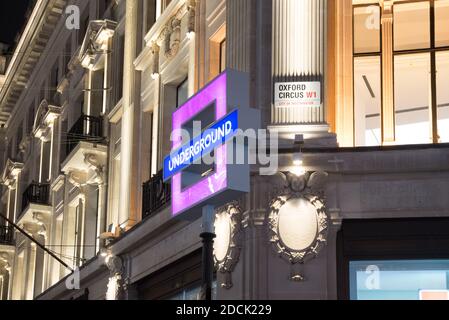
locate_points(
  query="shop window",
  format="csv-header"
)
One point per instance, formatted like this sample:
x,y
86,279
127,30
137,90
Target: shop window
x,y
393,259
366,29
411,95
19,136
180,280
408,72
367,101
442,23
30,121
399,280
442,62
67,55
182,93
192,293
411,25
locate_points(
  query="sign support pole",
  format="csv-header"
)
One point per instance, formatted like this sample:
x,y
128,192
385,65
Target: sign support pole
x,y
208,235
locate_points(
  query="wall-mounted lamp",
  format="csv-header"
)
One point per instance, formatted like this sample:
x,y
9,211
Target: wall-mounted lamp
x,y
190,35
298,159
191,22
103,252
155,67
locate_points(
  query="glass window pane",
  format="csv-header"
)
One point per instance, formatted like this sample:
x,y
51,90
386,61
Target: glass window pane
x,y
367,94
399,280
367,29
182,93
442,23
411,98
443,95
411,23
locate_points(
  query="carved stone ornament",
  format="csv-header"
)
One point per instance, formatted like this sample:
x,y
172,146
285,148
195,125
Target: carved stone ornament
x,y
169,39
230,217
116,284
302,198
172,38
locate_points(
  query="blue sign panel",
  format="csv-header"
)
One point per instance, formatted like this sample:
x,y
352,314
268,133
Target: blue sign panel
x,y
212,138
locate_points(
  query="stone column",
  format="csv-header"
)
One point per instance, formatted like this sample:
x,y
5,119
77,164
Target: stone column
x,y
129,134
299,34
50,166
388,119
191,12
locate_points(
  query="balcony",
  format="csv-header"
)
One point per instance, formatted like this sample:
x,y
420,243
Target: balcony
x,y
155,195
86,151
87,129
36,193
6,235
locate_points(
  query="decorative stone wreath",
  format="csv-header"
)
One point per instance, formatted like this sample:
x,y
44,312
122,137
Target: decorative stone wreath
x,y
307,187
227,264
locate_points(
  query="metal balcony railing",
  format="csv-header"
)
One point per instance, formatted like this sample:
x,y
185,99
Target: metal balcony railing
x,y
6,235
86,128
156,195
37,193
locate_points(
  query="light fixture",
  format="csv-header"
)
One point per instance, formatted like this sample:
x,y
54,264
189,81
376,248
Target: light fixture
x,y
190,34
155,64
104,252
297,159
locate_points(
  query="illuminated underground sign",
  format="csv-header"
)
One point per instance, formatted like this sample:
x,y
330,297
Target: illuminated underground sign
x,y
213,137
224,103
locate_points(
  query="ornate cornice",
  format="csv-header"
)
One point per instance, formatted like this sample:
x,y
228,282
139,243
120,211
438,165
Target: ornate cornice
x,y
10,173
96,41
45,116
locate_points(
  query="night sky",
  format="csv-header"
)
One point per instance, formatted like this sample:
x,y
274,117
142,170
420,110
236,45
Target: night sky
x,y
12,19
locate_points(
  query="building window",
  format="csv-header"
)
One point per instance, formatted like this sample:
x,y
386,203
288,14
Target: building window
x,y
222,55
182,93
118,79
367,100
67,56
411,25
399,280
19,137
400,72
442,23
83,29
